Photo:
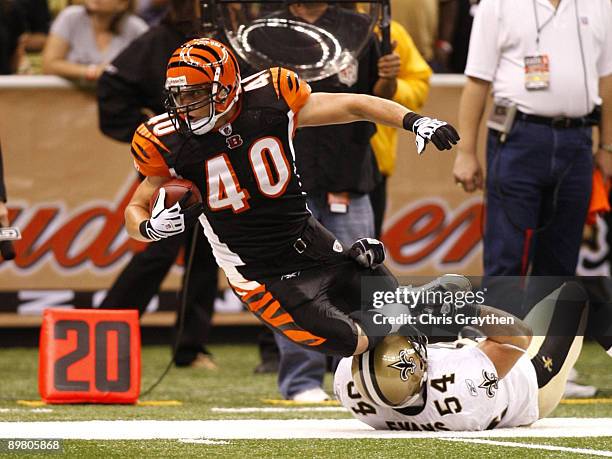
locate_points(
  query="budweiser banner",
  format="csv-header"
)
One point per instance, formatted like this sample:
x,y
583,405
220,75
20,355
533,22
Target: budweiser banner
x,y
68,186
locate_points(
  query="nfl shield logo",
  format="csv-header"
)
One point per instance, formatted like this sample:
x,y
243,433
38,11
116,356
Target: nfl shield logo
x,y
348,75
226,130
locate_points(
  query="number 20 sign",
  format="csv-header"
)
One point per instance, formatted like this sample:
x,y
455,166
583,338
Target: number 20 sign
x,y
89,356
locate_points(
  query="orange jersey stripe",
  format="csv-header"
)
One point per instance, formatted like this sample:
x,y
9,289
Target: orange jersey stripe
x,y
269,310
304,337
269,315
255,306
287,84
147,151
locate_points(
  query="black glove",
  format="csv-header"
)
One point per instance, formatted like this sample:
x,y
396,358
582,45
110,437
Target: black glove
x,y
368,252
172,221
442,134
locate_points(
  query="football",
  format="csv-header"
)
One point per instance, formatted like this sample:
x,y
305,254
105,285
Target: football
x,y
175,190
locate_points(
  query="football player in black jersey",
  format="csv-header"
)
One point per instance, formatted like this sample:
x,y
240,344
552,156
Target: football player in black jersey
x,y
233,139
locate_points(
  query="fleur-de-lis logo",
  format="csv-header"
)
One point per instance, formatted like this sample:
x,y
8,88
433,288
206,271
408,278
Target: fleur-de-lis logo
x,y
489,383
405,365
548,363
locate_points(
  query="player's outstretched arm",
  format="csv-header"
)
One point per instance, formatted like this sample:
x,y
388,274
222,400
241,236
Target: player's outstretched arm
x,y
327,108
507,339
137,211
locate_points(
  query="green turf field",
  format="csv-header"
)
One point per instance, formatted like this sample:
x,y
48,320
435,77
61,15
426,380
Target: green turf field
x,y
201,393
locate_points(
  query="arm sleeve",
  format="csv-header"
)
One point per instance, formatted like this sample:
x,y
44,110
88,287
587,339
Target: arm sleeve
x,y
148,152
483,53
413,79
291,88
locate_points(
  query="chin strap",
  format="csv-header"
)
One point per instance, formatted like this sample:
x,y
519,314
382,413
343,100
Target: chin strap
x,y
210,124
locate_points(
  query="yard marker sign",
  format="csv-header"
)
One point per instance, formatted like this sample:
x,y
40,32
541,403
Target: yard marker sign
x,y
89,356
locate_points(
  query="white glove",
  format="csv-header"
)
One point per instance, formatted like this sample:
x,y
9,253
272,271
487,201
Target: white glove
x,y
424,129
163,222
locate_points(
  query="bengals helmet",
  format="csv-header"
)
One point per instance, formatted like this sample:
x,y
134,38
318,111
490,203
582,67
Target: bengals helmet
x,y
394,372
202,76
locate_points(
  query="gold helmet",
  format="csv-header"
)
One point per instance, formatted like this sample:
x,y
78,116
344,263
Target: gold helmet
x,y
393,373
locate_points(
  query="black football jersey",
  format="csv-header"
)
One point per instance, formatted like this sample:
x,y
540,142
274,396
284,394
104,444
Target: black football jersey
x,y
254,205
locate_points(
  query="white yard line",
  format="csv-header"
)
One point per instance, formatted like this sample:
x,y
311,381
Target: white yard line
x,y
281,429
511,444
297,409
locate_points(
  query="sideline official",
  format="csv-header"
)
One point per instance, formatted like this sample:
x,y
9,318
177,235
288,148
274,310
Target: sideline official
x,y
552,61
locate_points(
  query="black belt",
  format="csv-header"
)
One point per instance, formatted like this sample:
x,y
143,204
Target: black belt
x,y
558,122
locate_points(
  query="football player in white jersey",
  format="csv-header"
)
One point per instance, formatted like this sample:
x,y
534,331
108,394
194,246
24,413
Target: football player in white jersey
x,y
507,379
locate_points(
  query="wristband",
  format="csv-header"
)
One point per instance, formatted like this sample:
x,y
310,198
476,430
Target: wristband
x,y
409,119
143,229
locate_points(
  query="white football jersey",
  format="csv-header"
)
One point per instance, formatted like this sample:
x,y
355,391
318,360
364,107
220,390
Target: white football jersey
x,y
463,392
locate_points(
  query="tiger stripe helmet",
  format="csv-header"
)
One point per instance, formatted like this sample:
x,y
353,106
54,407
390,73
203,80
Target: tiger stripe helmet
x,y
393,373
201,73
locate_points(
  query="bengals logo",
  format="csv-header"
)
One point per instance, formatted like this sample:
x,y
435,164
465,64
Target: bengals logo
x,y
234,141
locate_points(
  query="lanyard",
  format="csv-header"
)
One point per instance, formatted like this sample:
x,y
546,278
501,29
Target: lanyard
x,y
538,27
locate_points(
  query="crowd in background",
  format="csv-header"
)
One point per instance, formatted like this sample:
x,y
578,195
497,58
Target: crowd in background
x,y
52,36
